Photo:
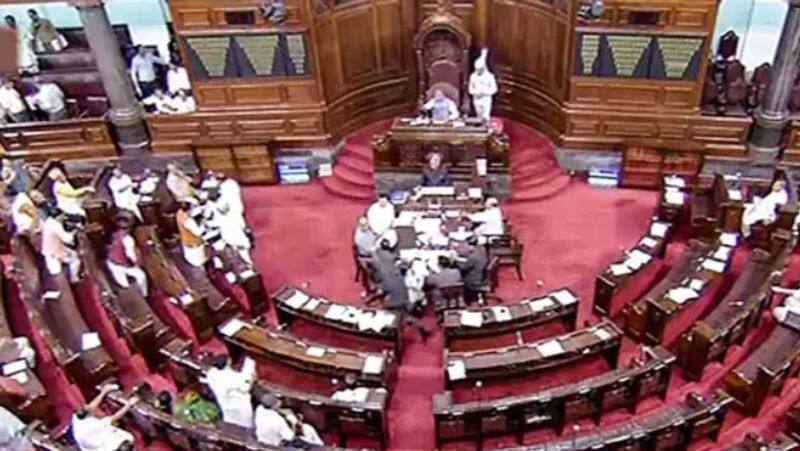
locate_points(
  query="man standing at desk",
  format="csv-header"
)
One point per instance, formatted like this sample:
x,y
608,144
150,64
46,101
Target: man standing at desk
x,y
434,174
441,108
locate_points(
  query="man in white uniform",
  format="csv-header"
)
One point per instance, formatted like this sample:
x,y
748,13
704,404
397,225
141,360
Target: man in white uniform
x,y
380,215
11,102
177,79
57,248
490,220
442,109
231,389
123,192
766,208
482,87
272,429
94,433
49,98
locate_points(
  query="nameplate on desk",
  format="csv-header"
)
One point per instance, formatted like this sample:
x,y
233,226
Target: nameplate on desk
x,y
471,319
335,312
14,367
501,314
233,326
89,341
315,351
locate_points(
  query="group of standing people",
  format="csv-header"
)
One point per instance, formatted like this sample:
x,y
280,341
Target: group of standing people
x,y
40,37
163,86
46,100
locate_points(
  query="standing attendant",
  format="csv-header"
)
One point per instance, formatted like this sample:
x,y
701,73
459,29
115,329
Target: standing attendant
x,y
364,238
435,174
143,71
482,87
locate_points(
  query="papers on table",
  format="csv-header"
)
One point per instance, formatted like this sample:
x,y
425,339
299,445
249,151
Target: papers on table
x,y
501,314
636,259
315,351
375,321
406,218
351,315
335,312
471,319
373,365
734,194
564,297
723,253
428,226
447,191
475,193
312,304
729,239
659,229
230,328
542,304
14,367
20,377
682,294
481,166
456,370
713,265
674,197
620,269
89,341
601,333
649,242
697,285
460,235
550,348
296,300
186,299
359,394
674,181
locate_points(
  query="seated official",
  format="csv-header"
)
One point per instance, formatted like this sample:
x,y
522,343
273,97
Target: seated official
x,y
231,389
473,270
435,174
765,209
364,239
123,192
380,215
272,428
25,215
490,220
447,276
159,103
95,433
122,258
441,108
68,198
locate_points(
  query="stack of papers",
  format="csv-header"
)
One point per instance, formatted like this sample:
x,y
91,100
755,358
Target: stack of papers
x,y
620,269
475,193
428,226
456,370
649,242
713,265
697,285
674,181
564,297
436,191
550,348
723,253
335,312
539,305
375,321
729,239
231,327
659,229
501,314
637,259
674,197
471,319
14,367
296,300
315,351
89,341
682,294
359,394
373,365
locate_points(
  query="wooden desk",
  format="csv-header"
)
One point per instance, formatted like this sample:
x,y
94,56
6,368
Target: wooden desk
x,y
673,427
525,314
553,407
290,350
614,291
765,370
343,419
405,147
391,334
604,339
732,319
66,140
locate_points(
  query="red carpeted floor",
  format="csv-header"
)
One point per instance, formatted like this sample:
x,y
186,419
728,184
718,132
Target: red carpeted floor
x,y
570,232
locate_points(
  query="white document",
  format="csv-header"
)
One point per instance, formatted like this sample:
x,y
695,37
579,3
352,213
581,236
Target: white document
x,y
456,370
248,366
723,253
312,304
620,269
366,321
550,348
247,273
296,300
20,377
89,341
436,191
315,351
428,226
14,367
471,319
351,315
601,333
674,181
481,166
501,314
674,197
697,285
539,305
335,312
713,265
729,239
475,193
682,294
373,365
649,242
460,235
564,297
230,328
637,259
230,277
186,299
734,194
659,229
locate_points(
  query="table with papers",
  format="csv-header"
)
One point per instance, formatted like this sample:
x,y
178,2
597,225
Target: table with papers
x,y
378,324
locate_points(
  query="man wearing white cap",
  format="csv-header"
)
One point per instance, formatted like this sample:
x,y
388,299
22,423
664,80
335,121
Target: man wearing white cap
x,y
482,87
490,220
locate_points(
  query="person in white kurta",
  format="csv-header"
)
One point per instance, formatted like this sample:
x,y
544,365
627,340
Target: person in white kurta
x,y
123,191
177,79
231,390
24,214
271,426
415,281
231,193
482,87
766,208
490,220
380,215
92,433
442,109
231,228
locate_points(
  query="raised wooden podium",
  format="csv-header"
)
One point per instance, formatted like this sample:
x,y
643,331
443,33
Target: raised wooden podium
x,y
405,147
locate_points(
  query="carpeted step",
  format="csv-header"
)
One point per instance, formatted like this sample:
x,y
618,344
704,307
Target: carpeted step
x,y
541,192
356,165
522,184
534,170
358,151
353,177
342,188
530,157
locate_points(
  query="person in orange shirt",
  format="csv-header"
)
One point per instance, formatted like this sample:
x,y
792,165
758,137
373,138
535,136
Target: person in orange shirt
x,y
191,234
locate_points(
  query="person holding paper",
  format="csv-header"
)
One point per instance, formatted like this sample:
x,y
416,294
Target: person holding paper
x,y
95,433
122,258
434,173
380,215
490,220
765,209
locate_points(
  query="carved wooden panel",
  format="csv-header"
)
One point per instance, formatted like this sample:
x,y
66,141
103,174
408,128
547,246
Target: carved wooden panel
x,y
358,56
206,14
685,15
634,93
65,140
215,94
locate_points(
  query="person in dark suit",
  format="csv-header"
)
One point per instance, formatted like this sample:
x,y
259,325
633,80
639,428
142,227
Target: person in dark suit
x,y
394,292
435,174
447,276
473,270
